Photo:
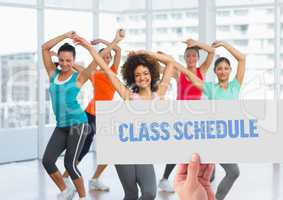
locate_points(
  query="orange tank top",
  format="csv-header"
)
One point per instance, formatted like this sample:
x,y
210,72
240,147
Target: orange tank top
x,y
103,89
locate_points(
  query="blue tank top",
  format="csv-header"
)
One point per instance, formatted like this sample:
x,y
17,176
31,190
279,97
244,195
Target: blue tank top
x,y
66,107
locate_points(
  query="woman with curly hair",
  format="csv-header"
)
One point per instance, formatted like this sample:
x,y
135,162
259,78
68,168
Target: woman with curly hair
x,y
142,77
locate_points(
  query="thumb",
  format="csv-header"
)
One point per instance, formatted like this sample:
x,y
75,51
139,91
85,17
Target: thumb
x,y
193,169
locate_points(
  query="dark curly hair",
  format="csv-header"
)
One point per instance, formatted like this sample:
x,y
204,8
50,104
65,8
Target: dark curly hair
x,y
132,63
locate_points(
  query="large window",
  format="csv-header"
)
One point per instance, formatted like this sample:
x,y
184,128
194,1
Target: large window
x,y
134,25
58,22
171,28
23,2
18,78
241,2
250,30
82,4
281,51
173,4
121,5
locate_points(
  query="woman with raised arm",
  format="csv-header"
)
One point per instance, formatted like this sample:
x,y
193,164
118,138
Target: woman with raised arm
x,y
186,90
142,77
223,90
71,120
103,91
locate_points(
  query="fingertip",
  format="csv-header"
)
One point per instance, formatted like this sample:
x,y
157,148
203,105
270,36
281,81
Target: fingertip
x,y
195,157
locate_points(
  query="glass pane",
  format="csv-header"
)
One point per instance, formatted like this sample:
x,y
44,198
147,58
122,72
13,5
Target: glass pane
x,y
18,78
281,54
108,5
28,2
241,2
82,4
170,28
134,25
255,38
59,22
173,4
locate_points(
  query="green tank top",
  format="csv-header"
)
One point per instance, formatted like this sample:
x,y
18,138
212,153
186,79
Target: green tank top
x,y
66,107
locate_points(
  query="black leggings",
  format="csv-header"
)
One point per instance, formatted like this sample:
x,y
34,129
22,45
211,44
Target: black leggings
x,y
232,173
90,135
168,169
70,138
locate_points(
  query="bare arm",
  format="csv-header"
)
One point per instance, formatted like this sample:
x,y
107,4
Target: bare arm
x,y
120,34
167,59
78,68
194,79
210,54
47,46
118,85
160,56
115,47
165,81
241,58
84,74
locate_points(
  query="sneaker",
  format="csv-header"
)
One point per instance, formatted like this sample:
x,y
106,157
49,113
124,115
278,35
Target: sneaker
x,y
67,194
165,186
95,184
68,183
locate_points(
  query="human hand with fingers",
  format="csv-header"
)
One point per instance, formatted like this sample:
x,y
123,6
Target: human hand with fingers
x,y
53,53
142,52
120,35
131,53
191,43
218,43
70,34
137,52
192,181
81,41
95,41
160,52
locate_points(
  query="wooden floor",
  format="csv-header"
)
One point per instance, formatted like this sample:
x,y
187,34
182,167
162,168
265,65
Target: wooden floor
x,y
29,181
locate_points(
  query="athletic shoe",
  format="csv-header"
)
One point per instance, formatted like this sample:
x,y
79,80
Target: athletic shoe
x,y
95,184
68,183
67,194
165,186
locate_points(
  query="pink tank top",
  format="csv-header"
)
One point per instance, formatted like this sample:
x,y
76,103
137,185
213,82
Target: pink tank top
x,y
136,96
186,90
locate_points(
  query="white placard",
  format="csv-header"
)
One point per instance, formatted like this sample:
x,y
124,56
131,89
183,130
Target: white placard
x,y
143,132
